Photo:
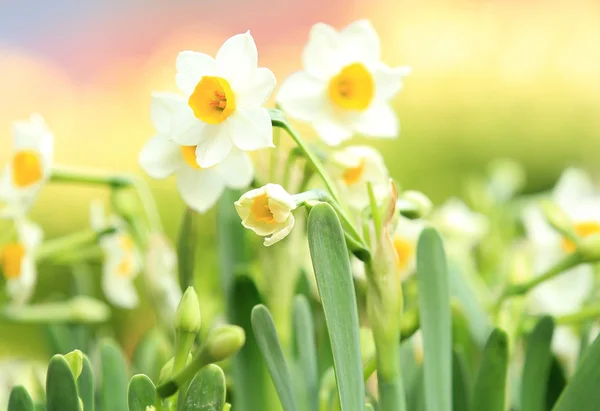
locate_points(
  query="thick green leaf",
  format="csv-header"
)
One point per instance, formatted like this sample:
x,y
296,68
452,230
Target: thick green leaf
x,y
461,383
489,392
434,308
186,248
85,385
249,393
557,382
536,369
582,393
207,390
331,264
270,347
20,400
114,377
141,393
61,390
306,352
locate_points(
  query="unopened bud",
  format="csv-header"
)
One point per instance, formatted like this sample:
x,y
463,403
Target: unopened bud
x,y
224,341
187,316
421,204
75,361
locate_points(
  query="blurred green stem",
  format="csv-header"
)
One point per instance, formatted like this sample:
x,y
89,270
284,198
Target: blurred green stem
x,y
70,242
588,313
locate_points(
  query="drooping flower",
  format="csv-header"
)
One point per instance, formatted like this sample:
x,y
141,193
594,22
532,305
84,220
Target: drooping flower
x,y
405,239
29,167
353,167
458,223
200,187
345,88
268,212
18,261
122,259
223,104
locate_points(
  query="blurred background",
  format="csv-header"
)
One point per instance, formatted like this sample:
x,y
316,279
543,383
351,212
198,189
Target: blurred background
x,y
496,78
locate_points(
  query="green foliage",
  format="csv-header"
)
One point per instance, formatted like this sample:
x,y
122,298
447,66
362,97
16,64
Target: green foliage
x,y
536,369
20,400
113,377
489,391
61,389
141,393
207,391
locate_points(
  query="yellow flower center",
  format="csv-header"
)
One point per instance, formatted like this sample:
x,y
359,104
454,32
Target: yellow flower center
x,y
352,88
582,230
12,260
404,251
125,267
189,155
352,175
212,100
261,211
26,168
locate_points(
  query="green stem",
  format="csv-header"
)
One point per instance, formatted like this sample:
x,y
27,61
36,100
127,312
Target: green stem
x,y
279,120
148,203
389,381
70,242
587,313
375,212
274,160
84,177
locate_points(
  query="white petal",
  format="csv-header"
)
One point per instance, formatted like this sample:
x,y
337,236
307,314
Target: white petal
x,y
332,132
573,186
236,170
320,56
200,189
186,129
388,80
362,40
119,291
281,233
162,110
257,90
237,59
302,96
160,157
30,233
378,121
251,129
21,289
191,66
215,146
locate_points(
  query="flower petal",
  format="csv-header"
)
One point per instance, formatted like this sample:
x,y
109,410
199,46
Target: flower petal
x,y
361,40
186,129
214,147
378,121
302,96
191,66
251,129
162,110
119,291
200,189
320,56
257,90
388,80
236,170
160,157
281,233
573,186
237,59
21,289
331,132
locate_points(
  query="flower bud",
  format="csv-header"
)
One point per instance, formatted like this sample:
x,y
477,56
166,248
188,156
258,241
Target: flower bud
x,y
75,361
420,204
223,342
188,317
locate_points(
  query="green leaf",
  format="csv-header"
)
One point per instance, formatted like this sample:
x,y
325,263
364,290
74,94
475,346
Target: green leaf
x,y
207,390
557,382
114,377
306,352
186,248
61,390
249,393
582,393
461,383
141,393
85,385
536,369
151,353
489,392
19,399
75,361
270,347
434,307
329,256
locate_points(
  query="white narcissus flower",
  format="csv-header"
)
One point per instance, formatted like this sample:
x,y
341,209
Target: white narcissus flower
x,y
353,167
200,187
29,167
457,222
268,212
405,239
122,259
344,88
161,274
223,104
18,261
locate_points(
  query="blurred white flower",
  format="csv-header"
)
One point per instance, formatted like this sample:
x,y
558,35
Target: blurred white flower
x,y
353,167
122,259
458,223
223,104
18,261
344,88
161,274
29,167
405,238
200,187
267,211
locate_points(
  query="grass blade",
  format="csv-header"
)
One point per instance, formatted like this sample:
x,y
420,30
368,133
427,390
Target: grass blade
x,y
270,347
434,307
461,383
329,256
141,393
306,351
489,392
114,377
536,370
